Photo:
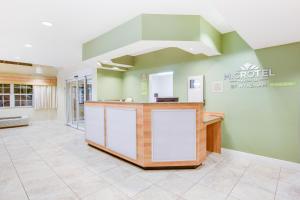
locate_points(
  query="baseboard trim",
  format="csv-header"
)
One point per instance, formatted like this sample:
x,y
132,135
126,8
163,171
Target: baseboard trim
x,y
253,157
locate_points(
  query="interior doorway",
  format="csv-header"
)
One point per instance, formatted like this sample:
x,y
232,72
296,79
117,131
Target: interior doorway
x,y
78,91
160,85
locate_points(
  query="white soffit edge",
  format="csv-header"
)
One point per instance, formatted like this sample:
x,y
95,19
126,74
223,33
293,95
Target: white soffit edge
x,y
147,46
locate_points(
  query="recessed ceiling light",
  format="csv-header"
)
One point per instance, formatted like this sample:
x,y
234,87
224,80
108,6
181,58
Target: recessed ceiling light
x,y
28,45
47,23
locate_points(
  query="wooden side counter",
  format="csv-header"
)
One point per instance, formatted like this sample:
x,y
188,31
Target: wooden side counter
x,y
150,135
213,128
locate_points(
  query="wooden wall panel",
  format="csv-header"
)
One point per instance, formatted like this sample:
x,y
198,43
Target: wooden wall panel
x,y
27,79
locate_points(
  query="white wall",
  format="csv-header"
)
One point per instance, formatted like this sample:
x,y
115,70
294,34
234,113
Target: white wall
x,y
67,74
61,96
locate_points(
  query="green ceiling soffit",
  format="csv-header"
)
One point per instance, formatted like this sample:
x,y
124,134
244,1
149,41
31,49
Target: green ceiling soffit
x,y
154,27
127,60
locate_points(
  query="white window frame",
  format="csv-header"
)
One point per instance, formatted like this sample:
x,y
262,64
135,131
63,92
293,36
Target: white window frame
x,y
12,97
2,93
26,94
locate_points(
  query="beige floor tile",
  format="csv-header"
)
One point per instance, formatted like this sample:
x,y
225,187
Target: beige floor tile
x,y
258,180
100,165
232,198
11,188
291,176
117,175
195,175
155,193
264,169
108,193
32,178
44,150
60,194
132,185
154,176
204,193
83,184
6,171
215,157
29,166
72,171
287,191
238,162
47,188
222,179
4,161
247,191
25,153
176,184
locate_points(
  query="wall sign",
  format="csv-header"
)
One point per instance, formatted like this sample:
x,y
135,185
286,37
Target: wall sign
x,y
144,84
196,88
249,76
217,87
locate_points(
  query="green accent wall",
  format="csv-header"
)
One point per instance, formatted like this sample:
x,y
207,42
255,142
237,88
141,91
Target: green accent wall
x,y
171,27
120,36
154,27
110,85
263,121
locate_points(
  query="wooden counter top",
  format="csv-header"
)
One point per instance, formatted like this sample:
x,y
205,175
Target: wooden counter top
x,y
212,123
211,119
132,103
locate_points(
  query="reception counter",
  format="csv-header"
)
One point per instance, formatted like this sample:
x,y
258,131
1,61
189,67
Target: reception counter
x,y
151,135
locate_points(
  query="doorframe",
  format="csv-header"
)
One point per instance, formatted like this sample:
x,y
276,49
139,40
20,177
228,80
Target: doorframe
x,y
157,74
68,92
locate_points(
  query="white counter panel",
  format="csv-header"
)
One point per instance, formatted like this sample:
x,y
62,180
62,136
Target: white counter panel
x,y
94,124
121,131
173,135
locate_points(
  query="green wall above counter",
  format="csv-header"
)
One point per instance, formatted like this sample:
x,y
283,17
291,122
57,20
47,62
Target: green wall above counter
x,y
109,85
264,121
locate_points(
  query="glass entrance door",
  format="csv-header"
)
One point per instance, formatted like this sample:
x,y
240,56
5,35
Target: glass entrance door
x,y
81,99
77,92
71,97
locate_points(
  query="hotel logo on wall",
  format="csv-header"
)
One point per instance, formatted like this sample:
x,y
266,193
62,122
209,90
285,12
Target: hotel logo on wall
x,y
249,76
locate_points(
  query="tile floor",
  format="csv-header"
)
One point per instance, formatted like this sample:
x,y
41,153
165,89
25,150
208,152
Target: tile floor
x,y
50,161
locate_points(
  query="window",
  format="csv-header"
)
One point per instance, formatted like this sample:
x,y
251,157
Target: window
x,y
4,95
23,95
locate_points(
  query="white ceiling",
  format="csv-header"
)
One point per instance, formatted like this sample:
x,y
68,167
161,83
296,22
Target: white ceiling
x,y
77,21
263,23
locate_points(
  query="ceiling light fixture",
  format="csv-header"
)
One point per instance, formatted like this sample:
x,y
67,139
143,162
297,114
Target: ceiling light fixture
x,y
18,57
28,45
45,23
